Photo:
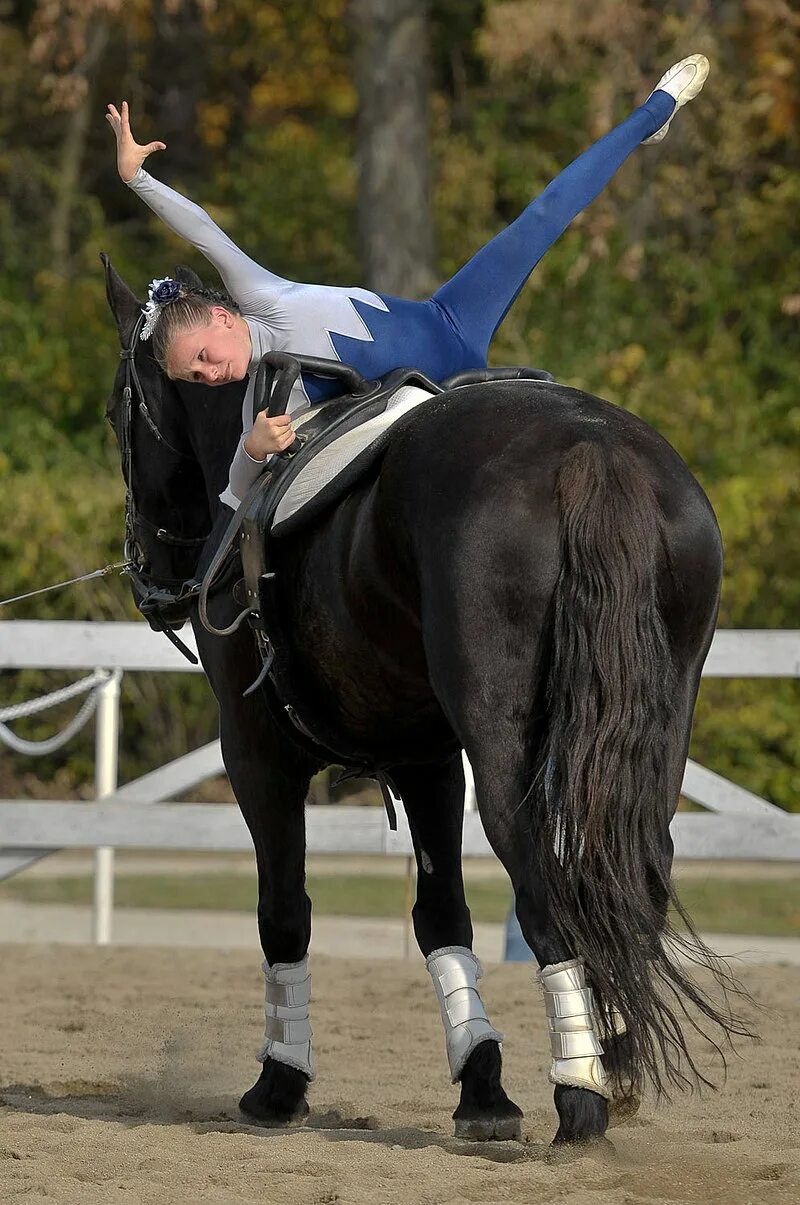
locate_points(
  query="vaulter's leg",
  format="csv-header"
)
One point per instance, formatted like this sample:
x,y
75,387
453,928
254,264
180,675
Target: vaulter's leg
x,y
270,780
480,294
433,798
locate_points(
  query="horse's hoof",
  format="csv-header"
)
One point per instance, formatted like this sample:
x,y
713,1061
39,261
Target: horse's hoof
x,y
278,1097
270,1118
489,1129
564,1145
622,1108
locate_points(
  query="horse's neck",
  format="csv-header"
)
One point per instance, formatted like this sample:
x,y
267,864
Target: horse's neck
x,y
214,431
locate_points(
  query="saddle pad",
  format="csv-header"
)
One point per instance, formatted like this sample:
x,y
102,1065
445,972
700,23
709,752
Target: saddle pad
x,y
332,460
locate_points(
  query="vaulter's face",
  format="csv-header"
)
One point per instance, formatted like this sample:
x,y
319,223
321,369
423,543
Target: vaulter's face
x,y
213,354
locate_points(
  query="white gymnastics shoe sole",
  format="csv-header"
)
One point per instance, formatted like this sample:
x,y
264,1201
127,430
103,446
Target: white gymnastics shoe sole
x,y
682,82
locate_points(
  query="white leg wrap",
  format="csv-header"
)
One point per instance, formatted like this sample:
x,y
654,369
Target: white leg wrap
x,y
455,972
287,1034
574,1032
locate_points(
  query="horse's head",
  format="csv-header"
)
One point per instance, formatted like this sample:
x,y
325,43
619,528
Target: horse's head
x,y
169,502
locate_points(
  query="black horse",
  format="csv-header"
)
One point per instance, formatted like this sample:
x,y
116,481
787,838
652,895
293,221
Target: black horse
x,y
530,574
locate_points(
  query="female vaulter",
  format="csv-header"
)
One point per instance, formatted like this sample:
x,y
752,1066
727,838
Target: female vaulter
x,y
213,338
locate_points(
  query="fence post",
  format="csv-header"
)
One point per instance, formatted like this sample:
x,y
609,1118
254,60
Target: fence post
x,y
470,801
516,947
106,756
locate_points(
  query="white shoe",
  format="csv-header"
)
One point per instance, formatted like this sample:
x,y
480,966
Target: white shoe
x,y
682,82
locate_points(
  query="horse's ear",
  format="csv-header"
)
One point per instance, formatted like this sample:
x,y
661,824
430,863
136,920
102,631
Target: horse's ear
x,y
125,305
187,277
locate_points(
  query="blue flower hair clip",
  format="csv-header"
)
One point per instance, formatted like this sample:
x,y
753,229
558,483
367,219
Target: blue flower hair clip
x,y
160,293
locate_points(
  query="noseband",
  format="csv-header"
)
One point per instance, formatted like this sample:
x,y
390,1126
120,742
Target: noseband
x,y
163,601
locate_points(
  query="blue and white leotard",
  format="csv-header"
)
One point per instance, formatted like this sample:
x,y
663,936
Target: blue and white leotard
x,y
449,332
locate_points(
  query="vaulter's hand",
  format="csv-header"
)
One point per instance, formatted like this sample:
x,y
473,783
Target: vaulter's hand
x,y
269,435
130,154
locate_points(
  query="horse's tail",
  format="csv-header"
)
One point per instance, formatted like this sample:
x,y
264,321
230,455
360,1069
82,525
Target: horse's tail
x,y
605,774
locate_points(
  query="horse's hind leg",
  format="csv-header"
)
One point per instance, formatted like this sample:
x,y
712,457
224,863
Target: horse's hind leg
x,y
513,827
500,780
433,798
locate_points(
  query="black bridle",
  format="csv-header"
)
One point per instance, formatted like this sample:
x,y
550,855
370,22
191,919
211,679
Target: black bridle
x,y
165,602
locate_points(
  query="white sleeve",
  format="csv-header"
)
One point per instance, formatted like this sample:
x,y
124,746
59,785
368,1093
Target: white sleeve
x,y
243,277
244,471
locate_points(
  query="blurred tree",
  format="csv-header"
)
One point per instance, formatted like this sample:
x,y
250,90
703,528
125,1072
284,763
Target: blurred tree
x,y
67,46
178,63
394,201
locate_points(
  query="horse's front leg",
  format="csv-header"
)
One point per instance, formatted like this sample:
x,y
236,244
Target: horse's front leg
x,y
270,780
284,925
434,802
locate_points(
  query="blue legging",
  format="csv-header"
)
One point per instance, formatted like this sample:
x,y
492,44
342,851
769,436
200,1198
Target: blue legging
x,y
478,297
452,330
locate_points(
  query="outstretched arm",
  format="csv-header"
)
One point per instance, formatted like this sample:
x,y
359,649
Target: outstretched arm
x,y
130,153
245,280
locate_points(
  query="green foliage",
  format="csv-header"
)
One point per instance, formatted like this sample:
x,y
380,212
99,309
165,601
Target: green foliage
x,y
290,191
674,295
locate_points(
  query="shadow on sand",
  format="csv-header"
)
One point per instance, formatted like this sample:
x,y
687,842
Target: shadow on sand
x,y
145,1102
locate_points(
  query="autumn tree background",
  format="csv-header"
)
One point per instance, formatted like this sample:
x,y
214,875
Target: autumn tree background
x,y
676,295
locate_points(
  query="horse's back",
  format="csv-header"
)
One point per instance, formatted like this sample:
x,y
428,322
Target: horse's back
x,y
523,427
475,476
509,439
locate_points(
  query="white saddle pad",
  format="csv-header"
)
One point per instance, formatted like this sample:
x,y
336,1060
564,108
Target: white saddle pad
x,y
330,461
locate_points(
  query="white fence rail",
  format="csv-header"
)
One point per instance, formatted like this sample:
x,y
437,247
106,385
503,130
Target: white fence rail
x,y
137,815
340,829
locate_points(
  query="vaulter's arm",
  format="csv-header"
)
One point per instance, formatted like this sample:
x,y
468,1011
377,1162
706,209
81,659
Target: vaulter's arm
x,y
243,277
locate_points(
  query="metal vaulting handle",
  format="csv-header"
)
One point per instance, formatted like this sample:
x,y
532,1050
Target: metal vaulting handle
x,y
350,378
479,376
275,379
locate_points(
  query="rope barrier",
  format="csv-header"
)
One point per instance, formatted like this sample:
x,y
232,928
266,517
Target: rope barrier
x,y
51,744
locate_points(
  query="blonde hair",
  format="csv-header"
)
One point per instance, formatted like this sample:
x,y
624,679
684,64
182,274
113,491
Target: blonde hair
x,y
190,309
